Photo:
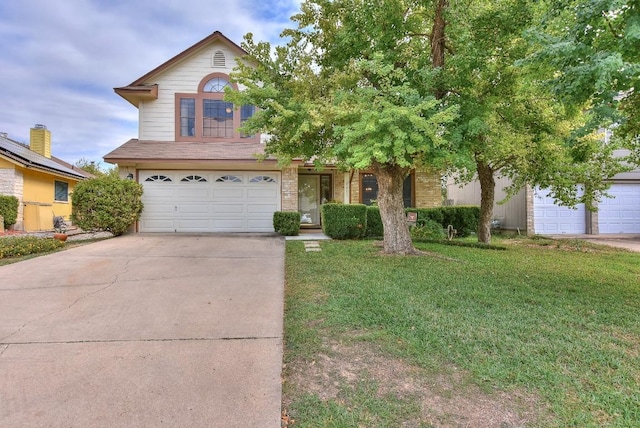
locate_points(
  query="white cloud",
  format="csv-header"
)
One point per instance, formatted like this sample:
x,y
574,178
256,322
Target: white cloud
x,y
61,60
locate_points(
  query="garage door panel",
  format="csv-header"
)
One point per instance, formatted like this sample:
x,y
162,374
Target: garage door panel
x,y
227,208
190,193
229,193
160,208
261,208
158,192
229,224
158,225
263,193
620,214
194,225
194,208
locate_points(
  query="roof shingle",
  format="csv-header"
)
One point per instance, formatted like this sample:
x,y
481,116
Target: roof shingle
x,y
149,150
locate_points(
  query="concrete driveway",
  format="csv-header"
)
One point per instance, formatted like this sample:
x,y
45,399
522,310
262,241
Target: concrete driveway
x,y
627,241
144,331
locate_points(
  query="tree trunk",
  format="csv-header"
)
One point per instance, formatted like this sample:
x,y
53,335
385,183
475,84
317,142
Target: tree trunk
x,y
438,44
487,195
397,239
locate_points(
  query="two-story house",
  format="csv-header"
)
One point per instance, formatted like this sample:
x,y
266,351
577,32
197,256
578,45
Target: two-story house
x,y
200,174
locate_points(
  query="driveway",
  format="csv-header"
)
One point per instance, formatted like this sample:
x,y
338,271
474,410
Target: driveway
x,y
144,331
628,241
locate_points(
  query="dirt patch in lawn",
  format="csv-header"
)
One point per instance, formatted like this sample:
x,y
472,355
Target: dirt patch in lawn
x,y
445,399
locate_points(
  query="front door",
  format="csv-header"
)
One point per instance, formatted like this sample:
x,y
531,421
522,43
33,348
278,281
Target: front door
x,y
313,191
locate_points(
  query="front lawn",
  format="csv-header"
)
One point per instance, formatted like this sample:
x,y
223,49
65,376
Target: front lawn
x,y
542,334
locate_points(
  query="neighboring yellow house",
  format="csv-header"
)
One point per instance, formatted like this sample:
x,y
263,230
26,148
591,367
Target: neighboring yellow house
x,y
42,183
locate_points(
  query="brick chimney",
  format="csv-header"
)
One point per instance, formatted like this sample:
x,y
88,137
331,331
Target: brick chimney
x,y
40,140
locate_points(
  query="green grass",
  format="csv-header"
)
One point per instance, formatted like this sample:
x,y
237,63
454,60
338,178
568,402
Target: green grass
x,y
561,321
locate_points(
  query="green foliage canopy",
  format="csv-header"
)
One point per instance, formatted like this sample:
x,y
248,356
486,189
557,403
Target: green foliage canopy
x,y
351,87
592,46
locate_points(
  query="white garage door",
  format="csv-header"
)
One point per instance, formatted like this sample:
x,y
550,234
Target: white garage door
x,y
552,219
620,214
209,201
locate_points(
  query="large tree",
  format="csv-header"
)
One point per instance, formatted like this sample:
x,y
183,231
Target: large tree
x,y
511,123
392,85
356,86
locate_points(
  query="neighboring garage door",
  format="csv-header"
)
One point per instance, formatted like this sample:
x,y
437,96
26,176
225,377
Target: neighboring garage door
x,y
209,201
552,219
620,214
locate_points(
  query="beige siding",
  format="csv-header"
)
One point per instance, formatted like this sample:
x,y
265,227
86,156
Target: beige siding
x,y
631,175
512,214
157,117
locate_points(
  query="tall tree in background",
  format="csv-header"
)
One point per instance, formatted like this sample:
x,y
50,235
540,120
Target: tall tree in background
x,y
355,86
510,123
94,168
594,48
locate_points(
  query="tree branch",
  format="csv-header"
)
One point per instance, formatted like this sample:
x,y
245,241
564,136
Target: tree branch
x,y
610,25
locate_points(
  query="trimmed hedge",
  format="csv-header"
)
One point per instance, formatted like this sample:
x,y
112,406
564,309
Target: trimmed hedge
x,y
286,223
463,218
374,222
341,221
9,210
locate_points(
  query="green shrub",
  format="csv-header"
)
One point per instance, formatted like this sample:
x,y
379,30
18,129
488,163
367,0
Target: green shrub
x,y
286,223
9,210
374,222
428,229
16,246
463,218
106,203
341,221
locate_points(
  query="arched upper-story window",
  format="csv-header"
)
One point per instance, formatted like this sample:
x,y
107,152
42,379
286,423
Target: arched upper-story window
x,y
216,84
206,116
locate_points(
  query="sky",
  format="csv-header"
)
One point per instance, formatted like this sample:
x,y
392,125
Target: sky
x,y
60,60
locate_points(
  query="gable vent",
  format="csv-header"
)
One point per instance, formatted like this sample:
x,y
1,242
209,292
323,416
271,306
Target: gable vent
x,y
218,59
